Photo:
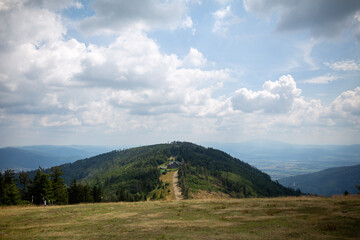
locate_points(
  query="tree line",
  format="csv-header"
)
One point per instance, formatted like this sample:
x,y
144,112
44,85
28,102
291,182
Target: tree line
x,y
44,189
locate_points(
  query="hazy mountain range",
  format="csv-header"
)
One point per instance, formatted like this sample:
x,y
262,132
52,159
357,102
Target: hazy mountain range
x,y
31,157
281,160
328,182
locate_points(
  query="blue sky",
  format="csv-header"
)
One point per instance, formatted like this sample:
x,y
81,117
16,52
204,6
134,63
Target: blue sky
x,y
141,72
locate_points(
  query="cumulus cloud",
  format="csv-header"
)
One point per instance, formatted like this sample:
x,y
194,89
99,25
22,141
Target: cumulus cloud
x,y
194,58
324,18
321,79
224,18
34,59
62,82
52,83
347,65
21,25
280,104
276,97
114,16
348,103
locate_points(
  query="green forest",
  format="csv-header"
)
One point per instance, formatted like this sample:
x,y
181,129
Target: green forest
x,y
133,175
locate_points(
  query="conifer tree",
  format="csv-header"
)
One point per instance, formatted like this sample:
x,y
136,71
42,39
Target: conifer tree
x,y
10,191
41,188
97,193
24,183
60,195
2,189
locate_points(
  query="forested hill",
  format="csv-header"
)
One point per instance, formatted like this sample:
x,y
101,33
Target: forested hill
x,y
136,172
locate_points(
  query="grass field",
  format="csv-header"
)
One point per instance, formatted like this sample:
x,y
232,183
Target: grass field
x,y
267,218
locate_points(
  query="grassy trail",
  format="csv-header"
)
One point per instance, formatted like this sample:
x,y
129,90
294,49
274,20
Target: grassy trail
x,y
168,178
177,190
265,218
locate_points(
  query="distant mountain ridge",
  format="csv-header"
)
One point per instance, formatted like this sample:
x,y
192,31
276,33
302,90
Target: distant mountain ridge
x,y
328,182
27,158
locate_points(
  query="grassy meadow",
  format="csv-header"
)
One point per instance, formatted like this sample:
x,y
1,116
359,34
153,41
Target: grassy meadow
x,y
264,218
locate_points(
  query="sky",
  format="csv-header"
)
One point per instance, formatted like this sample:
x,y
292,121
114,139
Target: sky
x,y
103,72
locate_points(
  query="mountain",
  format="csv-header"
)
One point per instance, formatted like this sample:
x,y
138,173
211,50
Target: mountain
x,y
281,160
136,172
31,157
23,160
327,182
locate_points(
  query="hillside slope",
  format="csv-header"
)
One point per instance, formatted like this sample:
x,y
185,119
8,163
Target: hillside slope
x,y
326,182
134,173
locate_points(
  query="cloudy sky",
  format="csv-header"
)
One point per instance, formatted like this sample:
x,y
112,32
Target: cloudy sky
x,y
121,72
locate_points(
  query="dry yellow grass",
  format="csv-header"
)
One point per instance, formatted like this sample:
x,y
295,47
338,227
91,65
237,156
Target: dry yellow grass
x,y
257,218
168,178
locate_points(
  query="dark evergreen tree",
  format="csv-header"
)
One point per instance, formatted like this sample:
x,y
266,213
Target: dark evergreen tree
x,y
96,193
24,185
85,192
121,194
11,194
60,195
41,188
2,189
75,195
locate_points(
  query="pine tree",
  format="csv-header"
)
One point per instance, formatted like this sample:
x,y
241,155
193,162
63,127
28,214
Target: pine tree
x,y
24,182
86,195
41,188
11,194
96,193
2,189
74,192
60,194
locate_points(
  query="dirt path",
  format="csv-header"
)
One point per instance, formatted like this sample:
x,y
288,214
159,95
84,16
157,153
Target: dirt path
x,y
176,187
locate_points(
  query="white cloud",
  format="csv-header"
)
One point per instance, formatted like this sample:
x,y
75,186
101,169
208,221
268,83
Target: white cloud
x,y
187,22
321,79
64,83
59,121
223,1
356,25
276,97
348,104
289,109
130,88
347,65
114,16
224,18
22,25
194,58
323,18
306,49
